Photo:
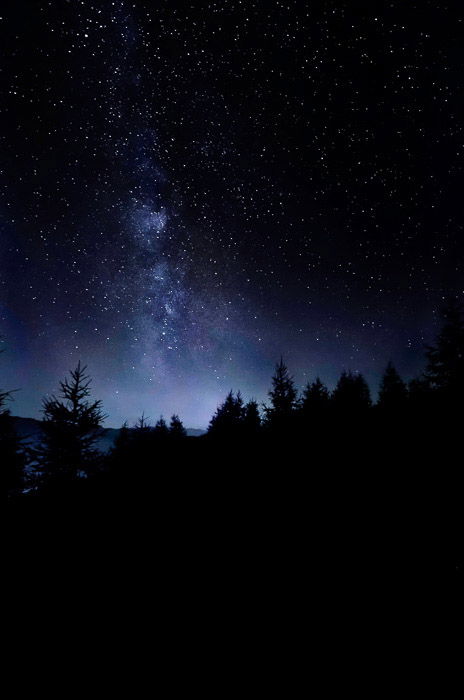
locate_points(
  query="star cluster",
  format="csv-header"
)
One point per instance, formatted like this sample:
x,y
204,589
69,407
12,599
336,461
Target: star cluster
x,y
191,190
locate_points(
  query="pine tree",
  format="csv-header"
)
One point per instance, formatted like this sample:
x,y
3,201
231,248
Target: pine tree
x,y
142,425
393,393
283,397
351,395
140,448
13,453
161,430
445,360
315,399
122,441
251,419
228,418
71,427
122,446
176,428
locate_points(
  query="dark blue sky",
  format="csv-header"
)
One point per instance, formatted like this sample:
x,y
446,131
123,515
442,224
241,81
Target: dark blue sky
x,y
187,194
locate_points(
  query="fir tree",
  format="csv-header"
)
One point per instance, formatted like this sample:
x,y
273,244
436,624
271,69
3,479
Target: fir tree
x,y
445,360
315,399
122,441
140,438
122,445
13,453
176,428
161,430
251,419
283,397
351,394
228,417
71,427
142,425
393,393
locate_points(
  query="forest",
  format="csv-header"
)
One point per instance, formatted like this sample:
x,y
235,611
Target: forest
x,y
335,464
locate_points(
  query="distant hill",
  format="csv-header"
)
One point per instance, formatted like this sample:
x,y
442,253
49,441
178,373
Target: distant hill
x,y
195,432
30,429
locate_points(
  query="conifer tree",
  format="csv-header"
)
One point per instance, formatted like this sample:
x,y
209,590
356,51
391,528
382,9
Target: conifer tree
x,y
13,454
161,429
393,393
123,438
71,427
251,419
228,417
176,427
140,443
283,397
351,395
122,445
142,425
315,399
445,360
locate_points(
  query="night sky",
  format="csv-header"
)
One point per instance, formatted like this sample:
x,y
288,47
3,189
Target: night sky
x,y
192,189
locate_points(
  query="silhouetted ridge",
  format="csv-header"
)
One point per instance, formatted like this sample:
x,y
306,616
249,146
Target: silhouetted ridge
x,y
328,462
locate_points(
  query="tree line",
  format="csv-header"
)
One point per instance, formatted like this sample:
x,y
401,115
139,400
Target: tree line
x,y
73,422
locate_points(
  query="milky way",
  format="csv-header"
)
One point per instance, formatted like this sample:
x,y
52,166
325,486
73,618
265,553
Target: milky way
x,y
192,191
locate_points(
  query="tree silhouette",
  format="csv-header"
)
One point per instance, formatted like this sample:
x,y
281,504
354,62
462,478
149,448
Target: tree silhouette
x,y
315,400
142,425
123,438
351,395
71,426
161,430
393,393
251,419
13,454
336,430
176,428
228,417
141,438
122,448
283,398
445,360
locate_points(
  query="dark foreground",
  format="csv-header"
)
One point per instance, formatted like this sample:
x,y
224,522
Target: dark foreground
x,y
355,508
